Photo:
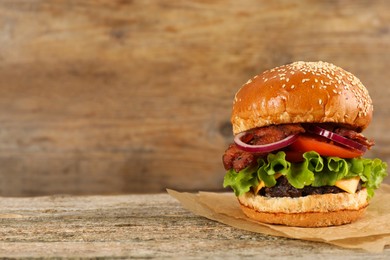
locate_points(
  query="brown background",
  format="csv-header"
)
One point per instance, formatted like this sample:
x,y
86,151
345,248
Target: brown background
x,y
135,96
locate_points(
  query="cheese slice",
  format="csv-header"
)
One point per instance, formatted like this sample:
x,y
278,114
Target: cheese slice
x,y
348,185
262,184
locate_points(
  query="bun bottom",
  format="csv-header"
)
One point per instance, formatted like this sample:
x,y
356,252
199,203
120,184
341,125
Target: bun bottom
x,y
295,211
307,219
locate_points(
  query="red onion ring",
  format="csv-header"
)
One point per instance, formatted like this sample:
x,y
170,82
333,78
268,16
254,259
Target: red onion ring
x,y
337,138
265,148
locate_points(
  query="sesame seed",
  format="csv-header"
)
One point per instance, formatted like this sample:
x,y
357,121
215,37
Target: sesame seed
x,y
320,101
288,79
292,86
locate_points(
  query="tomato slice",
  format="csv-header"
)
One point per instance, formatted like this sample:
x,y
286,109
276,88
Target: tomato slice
x,y
308,143
294,156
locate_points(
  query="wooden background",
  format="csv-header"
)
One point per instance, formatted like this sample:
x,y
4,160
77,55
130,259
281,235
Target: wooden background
x,y
116,96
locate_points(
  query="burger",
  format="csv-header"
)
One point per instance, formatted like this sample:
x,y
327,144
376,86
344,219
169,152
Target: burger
x,y
298,153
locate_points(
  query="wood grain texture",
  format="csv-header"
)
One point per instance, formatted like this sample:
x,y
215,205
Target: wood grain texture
x,y
135,96
138,226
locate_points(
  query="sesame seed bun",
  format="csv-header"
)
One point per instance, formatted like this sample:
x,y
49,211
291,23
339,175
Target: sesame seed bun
x,y
309,211
302,92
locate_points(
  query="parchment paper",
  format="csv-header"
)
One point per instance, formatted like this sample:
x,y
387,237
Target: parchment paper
x,y
371,233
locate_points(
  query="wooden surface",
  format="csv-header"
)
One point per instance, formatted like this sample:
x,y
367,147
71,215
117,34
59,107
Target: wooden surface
x,y
103,97
139,226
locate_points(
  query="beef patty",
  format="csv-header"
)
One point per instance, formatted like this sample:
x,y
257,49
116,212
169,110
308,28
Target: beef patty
x,y
285,189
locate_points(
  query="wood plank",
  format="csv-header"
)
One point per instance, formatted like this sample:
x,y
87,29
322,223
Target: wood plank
x,y
135,96
137,226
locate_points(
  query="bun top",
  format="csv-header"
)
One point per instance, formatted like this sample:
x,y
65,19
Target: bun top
x,y
302,92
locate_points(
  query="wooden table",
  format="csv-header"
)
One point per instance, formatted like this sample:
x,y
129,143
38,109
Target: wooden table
x,y
91,90
138,226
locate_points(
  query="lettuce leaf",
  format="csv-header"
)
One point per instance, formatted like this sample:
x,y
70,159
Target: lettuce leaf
x,y
315,170
300,176
242,181
276,163
334,169
373,180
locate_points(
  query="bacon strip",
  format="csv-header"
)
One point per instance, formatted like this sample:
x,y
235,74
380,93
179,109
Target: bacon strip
x,y
237,159
357,137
